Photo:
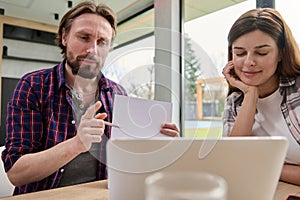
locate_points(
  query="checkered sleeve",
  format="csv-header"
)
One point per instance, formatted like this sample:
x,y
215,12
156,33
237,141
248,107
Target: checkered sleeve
x,y
232,105
23,124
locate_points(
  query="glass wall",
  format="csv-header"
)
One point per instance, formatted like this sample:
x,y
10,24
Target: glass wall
x,y
133,67
205,56
131,63
289,9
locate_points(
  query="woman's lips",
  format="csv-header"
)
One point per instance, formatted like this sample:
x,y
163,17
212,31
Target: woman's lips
x,y
251,73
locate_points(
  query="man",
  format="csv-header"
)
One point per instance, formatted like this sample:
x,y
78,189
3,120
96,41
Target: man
x,y
56,134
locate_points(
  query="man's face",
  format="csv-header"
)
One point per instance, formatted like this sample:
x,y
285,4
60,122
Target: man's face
x,y
87,45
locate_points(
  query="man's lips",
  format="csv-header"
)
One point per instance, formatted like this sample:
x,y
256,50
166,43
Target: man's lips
x,y
88,61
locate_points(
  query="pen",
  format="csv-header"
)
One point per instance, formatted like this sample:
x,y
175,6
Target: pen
x,y
111,124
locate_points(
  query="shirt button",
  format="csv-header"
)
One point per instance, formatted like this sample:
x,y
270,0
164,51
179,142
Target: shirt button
x,y
81,106
62,170
73,121
289,124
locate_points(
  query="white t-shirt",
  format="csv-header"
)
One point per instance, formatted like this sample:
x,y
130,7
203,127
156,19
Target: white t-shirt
x,y
269,121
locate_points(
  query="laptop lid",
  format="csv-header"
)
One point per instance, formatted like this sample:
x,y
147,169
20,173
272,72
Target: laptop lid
x,y
250,165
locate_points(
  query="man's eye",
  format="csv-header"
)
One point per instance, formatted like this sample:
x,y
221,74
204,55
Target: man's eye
x,y
103,43
84,38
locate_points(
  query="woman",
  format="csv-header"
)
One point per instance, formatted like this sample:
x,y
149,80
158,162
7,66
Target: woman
x,y
263,72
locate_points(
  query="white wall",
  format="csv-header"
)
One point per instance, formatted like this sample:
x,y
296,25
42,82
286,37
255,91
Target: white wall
x,y
14,68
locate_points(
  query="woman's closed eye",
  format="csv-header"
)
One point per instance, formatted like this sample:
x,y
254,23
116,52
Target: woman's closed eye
x,y
262,53
240,54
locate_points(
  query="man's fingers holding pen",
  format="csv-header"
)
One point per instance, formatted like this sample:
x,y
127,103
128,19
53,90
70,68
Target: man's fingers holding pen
x,y
93,122
90,131
92,110
91,127
100,115
94,130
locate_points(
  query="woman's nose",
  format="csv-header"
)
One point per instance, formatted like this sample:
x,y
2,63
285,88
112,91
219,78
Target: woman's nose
x,y
249,60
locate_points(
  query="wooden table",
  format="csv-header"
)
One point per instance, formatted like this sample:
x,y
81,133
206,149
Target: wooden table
x,y
87,191
98,191
284,189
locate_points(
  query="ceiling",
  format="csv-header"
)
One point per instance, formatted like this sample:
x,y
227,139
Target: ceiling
x,y
45,10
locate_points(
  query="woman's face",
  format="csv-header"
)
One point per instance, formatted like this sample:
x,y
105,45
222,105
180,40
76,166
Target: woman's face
x,y
255,56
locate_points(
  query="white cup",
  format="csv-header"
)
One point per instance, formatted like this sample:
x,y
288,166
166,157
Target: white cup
x,y
185,186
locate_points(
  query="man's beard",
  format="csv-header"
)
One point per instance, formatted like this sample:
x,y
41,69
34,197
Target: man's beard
x,y
85,70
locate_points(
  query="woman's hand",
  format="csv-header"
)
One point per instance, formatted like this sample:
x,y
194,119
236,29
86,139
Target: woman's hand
x,y
169,129
245,119
233,79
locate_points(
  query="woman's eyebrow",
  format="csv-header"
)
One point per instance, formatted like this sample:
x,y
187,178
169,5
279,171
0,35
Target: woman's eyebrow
x,y
262,46
256,47
238,47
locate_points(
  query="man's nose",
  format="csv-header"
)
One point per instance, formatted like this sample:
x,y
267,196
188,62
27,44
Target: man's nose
x,y
92,48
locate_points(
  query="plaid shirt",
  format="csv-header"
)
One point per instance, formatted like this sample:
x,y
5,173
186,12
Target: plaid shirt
x,y
289,89
40,115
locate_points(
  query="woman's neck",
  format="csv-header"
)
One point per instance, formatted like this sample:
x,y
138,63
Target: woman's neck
x,y
269,87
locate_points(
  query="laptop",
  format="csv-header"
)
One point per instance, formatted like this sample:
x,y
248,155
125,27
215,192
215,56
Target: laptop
x,y
251,166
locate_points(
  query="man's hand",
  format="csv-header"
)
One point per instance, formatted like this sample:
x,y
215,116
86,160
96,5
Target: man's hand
x,y
91,127
34,167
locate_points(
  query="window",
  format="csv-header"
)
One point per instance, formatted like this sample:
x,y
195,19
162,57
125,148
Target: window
x,y
131,63
206,26
205,56
133,67
289,9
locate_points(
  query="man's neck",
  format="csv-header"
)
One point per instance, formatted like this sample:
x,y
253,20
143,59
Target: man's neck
x,y
84,88
80,84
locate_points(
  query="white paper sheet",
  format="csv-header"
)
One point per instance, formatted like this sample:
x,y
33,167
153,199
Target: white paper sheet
x,y
139,118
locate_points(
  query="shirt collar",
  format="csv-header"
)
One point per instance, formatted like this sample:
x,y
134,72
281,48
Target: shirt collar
x,y
61,73
103,82
287,81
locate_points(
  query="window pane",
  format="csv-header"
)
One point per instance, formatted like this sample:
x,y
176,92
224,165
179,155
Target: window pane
x,y
289,9
133,67
131,61
205,56
136,27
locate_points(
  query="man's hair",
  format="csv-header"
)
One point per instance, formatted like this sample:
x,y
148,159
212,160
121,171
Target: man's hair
x,y
83,8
